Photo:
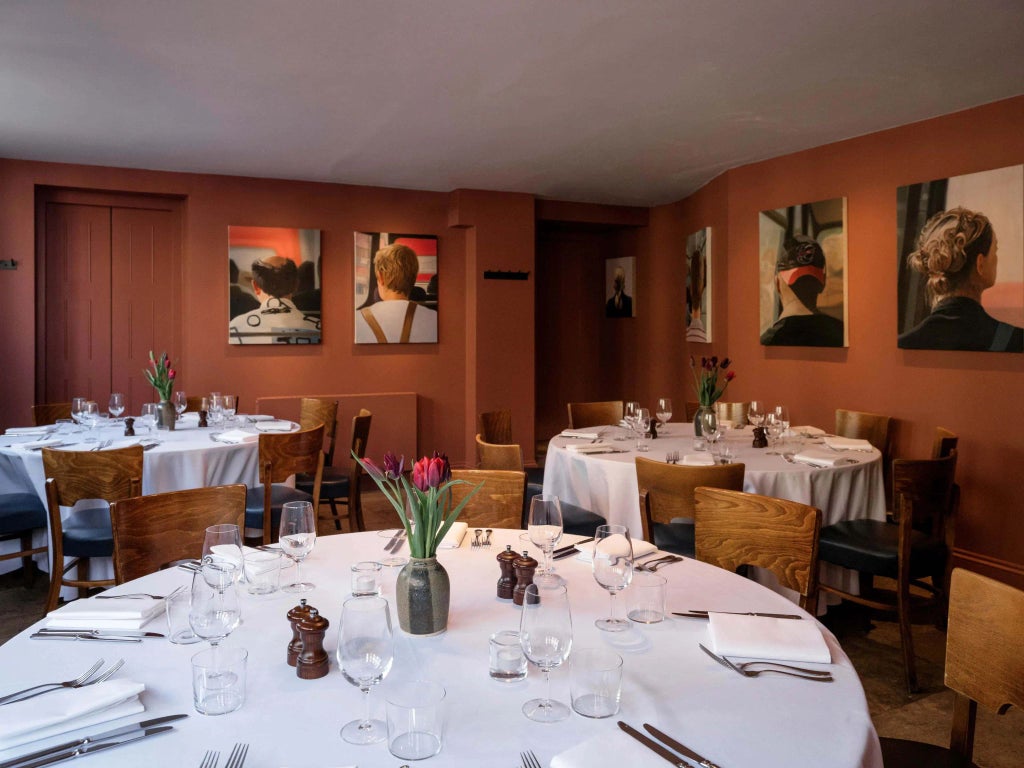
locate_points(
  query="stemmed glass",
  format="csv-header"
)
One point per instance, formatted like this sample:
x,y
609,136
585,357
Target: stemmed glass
x,y
613,568
297,537
223,543
148,417
545,531
709,428
365,654
782,416
180,400
78,408
641,426
545,635
116,404
664,411
756,413
214,611
228,407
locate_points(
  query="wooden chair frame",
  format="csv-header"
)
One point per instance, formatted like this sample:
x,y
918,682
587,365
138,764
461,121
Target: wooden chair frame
x,y
667,490
48,413
595,414
354,501
284,455
496,427
492,456
499,504
317,410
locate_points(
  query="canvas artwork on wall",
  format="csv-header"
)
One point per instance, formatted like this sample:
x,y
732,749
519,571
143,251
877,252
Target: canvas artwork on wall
x,y
698,286
395,288
803,275
960,244
273,285
620,279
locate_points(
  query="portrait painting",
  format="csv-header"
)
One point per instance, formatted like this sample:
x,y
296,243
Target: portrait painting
x,y
698,286
620,279
273,285
802,266
960,271
395,288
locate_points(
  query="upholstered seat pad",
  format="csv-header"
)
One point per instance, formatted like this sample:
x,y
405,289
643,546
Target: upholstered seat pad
x,y
872,546
901,753
279,494
333,483
88,533
675,537
21,512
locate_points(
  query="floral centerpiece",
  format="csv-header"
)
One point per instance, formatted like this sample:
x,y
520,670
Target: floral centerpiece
x,y
161,377
706,378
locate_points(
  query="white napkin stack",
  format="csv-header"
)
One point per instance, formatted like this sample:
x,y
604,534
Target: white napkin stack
x,y
579,433
820,458
848,444
43,430
68,710
589,448
276,425
453,539
586,550
808,431
254,417
698,460
91,613
237,436
761,637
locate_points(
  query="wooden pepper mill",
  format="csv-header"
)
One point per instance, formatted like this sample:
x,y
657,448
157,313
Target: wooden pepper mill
x,y
129,427
202,419
313,661
524,566
507,582
760,438
295,615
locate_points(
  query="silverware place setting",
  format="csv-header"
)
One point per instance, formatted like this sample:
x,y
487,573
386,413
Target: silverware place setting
x,y
529,760
804,673
659,562
79,682
659,747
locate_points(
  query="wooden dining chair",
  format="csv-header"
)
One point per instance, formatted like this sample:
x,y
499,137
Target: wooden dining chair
x,y
734,412
155,531
667,499
984,667
496,427
282,455
21,515
596,414
343,486
48,413
73,476
913,548
690,410
499,504
944,443
735,529
877,430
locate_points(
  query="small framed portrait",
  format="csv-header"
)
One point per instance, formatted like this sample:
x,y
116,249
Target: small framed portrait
x,y
395,288
698,286
620,279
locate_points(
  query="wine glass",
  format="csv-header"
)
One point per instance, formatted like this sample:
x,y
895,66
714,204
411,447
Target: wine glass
x,y
709,428
228,407
216,410
545,530
148,417
545,635
365,654
116,404
223,543
641,426
664,411
613,568
774,427
78,406
214,612
297,537
756,413
180,400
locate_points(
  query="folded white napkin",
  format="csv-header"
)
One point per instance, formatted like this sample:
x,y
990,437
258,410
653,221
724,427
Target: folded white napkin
x,y
586,550
276,425
848,444
453,539
610,749
229,553
28,446
43,430
254,417
588,448
68,710
820,458
698,460
580,433
237,436
808,431
760,637
106,614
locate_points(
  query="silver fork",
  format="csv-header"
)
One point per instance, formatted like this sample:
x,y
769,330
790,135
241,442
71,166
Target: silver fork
x,y
529,759
817,676
53,686
658,562
237,756
100,679
130,596
210,759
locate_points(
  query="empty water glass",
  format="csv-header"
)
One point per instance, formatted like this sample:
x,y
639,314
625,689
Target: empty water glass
x,y
415,712
596,682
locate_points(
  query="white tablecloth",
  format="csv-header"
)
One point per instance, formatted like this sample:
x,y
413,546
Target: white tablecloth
x,y
771,721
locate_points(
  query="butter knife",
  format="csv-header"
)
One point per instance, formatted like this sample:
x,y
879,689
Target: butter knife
x,y
654,746
86,631
680,748
88,749
86,636
704,614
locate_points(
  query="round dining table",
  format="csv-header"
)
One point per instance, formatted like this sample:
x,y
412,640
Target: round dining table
x,y
771,721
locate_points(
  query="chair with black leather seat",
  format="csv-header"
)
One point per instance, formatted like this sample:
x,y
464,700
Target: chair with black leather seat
x,y
48,413
914,547
282,455
73,476
343,486
984,666
735,529
596,414
667,499
496,427
21,515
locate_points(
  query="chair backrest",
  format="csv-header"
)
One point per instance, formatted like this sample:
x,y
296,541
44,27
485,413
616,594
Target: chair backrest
x,y
496,427
597,414
499,504
282,455
151,532
734,412
48,413
924,490
75,475
690,409
735,528
360,434
491,456
873,427
317,410
983,662
666,490
360,437
944,443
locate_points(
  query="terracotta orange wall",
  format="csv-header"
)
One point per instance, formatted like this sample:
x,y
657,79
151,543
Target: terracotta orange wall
x,y
437,373
977,395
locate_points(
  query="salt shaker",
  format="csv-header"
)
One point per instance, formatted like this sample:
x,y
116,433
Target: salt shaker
x,y
202,419
295,615
524,566
129,426
507,582
313,661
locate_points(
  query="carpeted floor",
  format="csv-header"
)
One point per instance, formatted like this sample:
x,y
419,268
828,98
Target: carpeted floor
x,y
876,654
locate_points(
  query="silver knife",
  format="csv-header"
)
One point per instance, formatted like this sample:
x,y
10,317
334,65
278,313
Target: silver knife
x,y
87,631
680,748
654,746
105,736
396,542
95,747
704,614
86,636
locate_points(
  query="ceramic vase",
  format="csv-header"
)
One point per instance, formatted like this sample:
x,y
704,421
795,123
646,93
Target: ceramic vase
x,y
422,592
165,415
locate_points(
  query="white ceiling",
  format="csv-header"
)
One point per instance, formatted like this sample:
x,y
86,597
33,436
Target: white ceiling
x,y
610,101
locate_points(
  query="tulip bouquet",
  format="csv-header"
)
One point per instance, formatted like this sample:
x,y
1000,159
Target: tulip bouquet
x,y
424,505
705,378
161,375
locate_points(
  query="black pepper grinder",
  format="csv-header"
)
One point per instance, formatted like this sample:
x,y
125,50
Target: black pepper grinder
x,y
524,566
313,661
295,615
654,429
202,419
760,438
129,427
507,582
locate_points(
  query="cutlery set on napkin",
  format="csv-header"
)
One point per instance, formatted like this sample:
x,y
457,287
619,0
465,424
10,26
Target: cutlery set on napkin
x,y
103,618
630,747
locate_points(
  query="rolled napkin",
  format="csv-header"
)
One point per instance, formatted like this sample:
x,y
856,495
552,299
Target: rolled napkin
x,y
579,433
67,710
698,460
612,749
453,539
588,448
807,431
822,458
276,425
236,436
848,444
760,637
43,430
106,614
586,550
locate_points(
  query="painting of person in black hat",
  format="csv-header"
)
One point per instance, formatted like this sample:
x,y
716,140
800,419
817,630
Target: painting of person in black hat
x,y
800,277
620,303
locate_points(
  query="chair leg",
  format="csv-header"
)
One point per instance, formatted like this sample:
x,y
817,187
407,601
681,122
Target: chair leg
x,y
56,578
83,575
28,565
334,511
906,639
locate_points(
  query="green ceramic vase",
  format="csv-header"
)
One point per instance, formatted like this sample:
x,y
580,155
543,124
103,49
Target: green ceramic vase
x,y
422,592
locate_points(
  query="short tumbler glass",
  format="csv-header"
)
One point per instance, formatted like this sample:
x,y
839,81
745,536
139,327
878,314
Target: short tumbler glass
x,y
508,664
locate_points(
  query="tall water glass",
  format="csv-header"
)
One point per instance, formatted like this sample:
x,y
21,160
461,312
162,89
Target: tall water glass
x,y
297,538
613,568
545,634
545,529
642,425
228,406
78,407
365,654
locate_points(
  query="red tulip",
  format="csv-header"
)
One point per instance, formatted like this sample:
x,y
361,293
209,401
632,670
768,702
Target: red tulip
x,y
372,469
419,473
730,375
171,374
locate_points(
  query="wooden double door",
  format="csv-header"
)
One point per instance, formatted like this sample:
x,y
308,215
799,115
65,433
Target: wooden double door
x,y
109,291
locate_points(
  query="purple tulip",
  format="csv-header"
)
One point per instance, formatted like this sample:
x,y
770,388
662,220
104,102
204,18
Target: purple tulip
x,y
393,465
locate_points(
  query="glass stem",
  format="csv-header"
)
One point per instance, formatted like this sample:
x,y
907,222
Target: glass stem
x,y
547,686
298,580
547,559
366,702
611,594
